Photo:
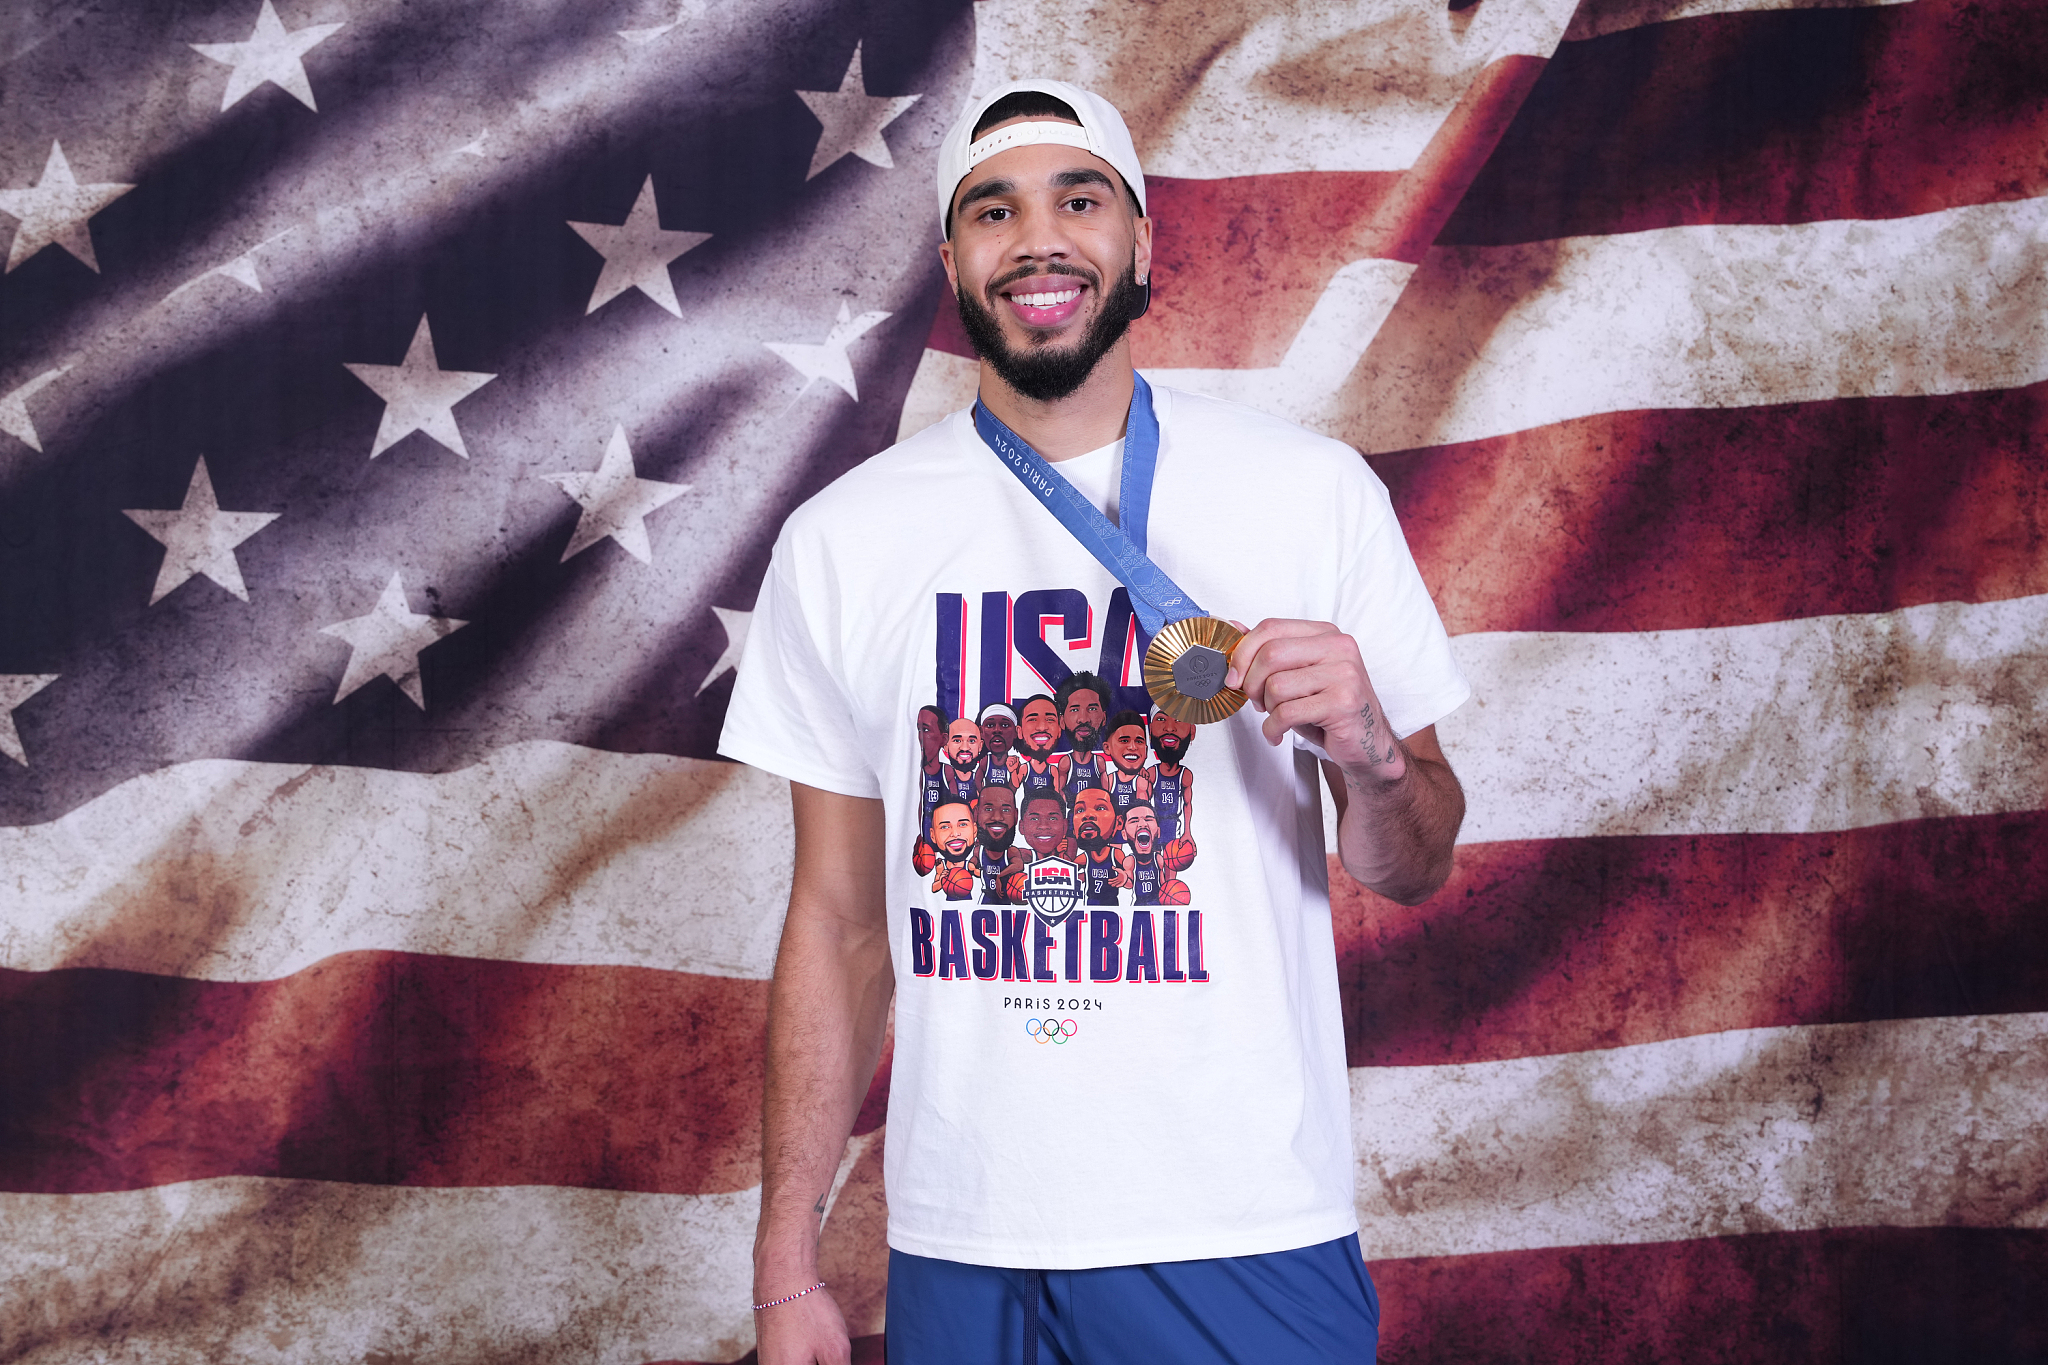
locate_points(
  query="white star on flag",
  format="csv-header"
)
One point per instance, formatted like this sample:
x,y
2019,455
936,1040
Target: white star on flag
x,y
636,254
16,688
828,359
736,624
419,395
14,418
385,642
615,502
56,209
199,538
270,53
853,120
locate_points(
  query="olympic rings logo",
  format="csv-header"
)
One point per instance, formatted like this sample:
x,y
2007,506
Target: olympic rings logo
x,y
1051,1030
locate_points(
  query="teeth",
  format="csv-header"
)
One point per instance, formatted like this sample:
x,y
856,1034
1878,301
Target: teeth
x,y
1046,300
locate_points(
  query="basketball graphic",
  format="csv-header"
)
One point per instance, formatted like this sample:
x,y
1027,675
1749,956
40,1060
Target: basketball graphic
x,y
1173,893
1013,887
1054,887
1176,854
923,856
957,881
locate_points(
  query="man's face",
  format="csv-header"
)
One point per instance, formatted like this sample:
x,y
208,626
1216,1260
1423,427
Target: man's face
x,y
1141,830
930,736
1044,260
1038,729
1170,737
1082,719
963,744
1045,824
995,815
1126,749
998,733
953,829
1095,822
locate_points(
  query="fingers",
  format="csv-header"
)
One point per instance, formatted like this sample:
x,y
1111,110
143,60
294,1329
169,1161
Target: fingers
x,y
1281,652
1259,636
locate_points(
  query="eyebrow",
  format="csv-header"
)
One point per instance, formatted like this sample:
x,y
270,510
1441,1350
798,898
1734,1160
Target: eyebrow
x,y
998,186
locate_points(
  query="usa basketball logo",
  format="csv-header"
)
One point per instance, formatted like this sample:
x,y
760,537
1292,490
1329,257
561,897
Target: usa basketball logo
x,y
1053,886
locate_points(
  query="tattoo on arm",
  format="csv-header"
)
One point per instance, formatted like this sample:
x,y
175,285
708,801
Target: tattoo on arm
x,y
1369,742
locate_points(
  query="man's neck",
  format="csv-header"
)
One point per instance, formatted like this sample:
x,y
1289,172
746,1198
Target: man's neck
x,y
1087,419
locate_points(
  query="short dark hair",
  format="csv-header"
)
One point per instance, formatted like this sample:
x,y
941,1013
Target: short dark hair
x,y
1036,696
1079,682
1032,104
1037,794
1123,718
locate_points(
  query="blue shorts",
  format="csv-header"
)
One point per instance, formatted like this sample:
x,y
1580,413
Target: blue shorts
x,y
1312,1306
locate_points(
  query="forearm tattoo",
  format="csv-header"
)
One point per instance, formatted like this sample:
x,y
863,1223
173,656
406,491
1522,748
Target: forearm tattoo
x,y
1370,742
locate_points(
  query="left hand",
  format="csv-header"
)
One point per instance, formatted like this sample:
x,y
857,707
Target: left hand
x,y
1307,676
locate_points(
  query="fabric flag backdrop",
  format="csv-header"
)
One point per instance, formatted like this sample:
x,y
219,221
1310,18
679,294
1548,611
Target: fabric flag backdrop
x,y
397,404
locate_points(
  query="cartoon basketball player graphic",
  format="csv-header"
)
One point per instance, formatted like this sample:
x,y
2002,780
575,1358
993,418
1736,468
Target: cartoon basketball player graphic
x,y
1144,873
952,837
1038,733
1042,820
1125,750
1173,789
963,755
999,767
931,741
1095,833
996,855
1080,701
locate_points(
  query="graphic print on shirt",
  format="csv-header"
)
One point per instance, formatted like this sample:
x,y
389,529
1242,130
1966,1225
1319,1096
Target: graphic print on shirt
x,y
1052,847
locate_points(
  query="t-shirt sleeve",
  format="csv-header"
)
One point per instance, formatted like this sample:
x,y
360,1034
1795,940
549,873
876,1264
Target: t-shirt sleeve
x,y
789,713
1384,605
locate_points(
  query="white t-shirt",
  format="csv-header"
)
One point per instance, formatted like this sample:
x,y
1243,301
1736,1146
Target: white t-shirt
x,y
1160,1074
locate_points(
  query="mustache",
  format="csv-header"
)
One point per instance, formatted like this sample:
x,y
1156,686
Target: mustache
x,y
1026,272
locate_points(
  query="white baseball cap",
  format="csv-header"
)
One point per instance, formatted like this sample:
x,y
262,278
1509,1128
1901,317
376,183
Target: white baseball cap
x,y
1101,131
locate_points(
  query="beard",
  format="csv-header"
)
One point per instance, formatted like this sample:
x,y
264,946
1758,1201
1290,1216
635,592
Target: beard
x,y
1094,842
999,843
1042,370
1169,750
1082,739
1039,752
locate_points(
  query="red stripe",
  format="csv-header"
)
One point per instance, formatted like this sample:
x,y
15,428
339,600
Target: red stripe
x,y
1552,946
1715,517
1801,1298
383,1068
1783,117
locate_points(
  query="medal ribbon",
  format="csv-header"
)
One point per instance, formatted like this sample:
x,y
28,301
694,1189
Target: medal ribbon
x,y
1157,599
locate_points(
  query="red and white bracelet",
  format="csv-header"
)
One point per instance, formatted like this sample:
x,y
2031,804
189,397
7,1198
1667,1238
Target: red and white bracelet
x,y
790,1298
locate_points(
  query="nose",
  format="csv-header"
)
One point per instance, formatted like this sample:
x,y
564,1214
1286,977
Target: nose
x,y
1042,235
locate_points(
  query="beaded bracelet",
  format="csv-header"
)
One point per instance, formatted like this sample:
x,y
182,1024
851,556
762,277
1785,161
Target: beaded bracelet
x,y
789,1298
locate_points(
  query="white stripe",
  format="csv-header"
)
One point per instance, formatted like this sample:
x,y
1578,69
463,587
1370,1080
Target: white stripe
x,y
1597,17
253,1269
542,853
1833,722
944,383
1490,340
1298,86
1912,1123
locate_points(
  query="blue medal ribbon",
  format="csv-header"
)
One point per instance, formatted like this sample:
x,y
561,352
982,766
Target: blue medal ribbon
x,y
1157,599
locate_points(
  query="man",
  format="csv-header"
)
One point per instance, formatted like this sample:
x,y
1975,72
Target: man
x,y
1125,750
996,856
963,752
1080,701
1142,872
1172,786
998,732
1038,735
952,836
1096,828
1043,823
1216,1061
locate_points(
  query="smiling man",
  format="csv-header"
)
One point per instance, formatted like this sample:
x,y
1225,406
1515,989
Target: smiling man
x,y
1200,1207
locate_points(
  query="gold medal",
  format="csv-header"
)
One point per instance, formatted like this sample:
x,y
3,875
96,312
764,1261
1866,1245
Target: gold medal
x,y
1184,669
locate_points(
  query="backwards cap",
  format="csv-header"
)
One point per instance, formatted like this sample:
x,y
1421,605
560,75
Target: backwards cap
x,y
1102,132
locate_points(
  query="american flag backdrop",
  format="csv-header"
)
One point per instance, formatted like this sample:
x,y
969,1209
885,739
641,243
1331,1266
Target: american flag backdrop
x,y
397,404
